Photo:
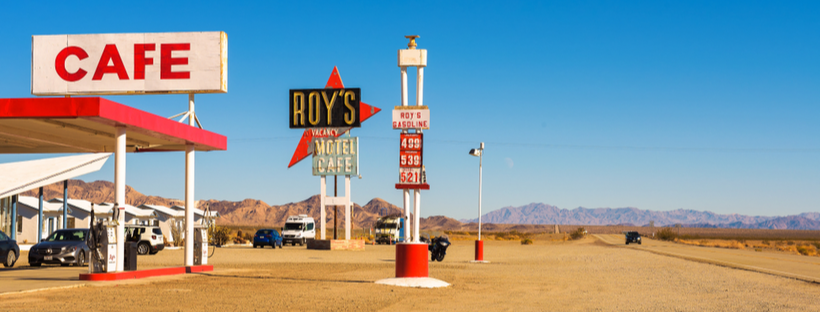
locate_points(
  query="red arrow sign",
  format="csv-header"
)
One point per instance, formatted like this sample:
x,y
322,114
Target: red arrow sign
x,y
303,149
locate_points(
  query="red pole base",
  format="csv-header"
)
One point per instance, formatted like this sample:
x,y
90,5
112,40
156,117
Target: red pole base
x,y
411,260
479,250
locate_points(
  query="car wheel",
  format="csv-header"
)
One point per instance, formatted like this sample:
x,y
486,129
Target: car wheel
x,y
81,259
293,243
254,245
627,242
35,264
65,264
10,259
143,248
302,243
280,245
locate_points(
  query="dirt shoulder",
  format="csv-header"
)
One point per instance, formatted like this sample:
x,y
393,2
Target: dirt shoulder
x,y
562,276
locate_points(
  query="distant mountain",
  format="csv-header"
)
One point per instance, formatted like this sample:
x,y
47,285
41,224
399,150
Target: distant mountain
x,y
538,213
251,212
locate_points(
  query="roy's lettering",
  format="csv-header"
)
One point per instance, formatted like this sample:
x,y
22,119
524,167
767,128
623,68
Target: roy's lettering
x,y
322,108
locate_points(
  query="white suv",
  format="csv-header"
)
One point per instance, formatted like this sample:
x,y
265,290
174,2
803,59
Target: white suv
x,y
148,238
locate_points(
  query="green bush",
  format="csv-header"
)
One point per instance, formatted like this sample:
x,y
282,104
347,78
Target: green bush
x,y
578,234
667,234
526,241
218,235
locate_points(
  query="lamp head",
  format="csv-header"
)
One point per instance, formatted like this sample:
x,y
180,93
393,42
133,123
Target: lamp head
x,y
475,152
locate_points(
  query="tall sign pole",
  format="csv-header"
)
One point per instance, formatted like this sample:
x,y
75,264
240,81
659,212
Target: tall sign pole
x,y
411,257
326,115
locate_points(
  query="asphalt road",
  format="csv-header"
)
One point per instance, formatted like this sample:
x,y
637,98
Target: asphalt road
x,y
777,263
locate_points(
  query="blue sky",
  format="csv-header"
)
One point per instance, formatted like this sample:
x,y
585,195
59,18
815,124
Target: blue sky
x,y
651,104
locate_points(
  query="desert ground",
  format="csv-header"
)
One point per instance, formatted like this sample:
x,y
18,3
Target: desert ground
x,y
596,273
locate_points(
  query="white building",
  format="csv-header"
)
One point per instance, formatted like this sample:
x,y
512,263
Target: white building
x,y
28,213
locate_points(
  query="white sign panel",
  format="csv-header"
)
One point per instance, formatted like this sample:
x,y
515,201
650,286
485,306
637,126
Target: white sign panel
x,y
411,117
191,62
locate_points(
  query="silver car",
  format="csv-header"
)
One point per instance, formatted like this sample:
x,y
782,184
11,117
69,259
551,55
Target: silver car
x,y
63,247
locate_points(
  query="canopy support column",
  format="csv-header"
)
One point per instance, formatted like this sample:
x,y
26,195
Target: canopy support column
x,y
119,196
189,190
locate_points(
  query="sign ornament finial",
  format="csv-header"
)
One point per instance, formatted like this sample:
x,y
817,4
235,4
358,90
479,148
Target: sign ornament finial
x,y
412,44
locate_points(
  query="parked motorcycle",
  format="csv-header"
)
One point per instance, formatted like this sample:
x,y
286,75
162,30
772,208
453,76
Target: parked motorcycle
x,y
437,247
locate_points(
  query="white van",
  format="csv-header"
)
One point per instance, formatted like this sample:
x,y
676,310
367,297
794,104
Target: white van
x,y
298,229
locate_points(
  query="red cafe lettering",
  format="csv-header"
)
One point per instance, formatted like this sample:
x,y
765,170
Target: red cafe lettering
x,y
111,63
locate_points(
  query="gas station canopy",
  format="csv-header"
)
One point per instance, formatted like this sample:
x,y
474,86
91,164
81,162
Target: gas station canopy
x,y
89,125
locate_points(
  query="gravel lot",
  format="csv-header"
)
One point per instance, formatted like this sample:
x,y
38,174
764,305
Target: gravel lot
x,y
584,275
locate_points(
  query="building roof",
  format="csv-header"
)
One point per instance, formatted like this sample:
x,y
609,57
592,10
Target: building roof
x,y
84,205
89,124
34,203
22,176
134,211
199,212
164,210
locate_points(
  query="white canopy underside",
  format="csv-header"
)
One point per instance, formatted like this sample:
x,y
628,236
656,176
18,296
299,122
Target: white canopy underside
x,y
18,177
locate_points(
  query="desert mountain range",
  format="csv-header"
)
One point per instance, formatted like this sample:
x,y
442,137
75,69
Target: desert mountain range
x,y
538,213
255,212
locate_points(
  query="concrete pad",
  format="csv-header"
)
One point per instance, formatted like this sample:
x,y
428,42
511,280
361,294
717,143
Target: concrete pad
x,y
479,261
417,282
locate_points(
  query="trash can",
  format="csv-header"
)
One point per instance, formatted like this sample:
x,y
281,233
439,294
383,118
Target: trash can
x,y
130,256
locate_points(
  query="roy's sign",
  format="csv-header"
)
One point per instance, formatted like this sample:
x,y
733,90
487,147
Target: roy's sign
x,y
190,62
411,117
336,156
321,108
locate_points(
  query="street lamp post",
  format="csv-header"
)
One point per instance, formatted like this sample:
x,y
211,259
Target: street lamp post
x,y
479,244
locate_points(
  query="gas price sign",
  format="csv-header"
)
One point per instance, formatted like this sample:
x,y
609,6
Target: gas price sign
x,y
410,158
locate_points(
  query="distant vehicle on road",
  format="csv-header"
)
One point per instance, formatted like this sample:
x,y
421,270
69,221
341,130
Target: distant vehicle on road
x,y
267,237
63,247
389,230
298,229
437,246
148,238
9,251
633,237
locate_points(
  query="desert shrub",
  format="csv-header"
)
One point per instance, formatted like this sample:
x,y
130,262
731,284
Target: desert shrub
x,y
248,236
218,235
239,238
765,242
758,249
526,241
806,250
176,232
816,245
667,234
790,243
578,234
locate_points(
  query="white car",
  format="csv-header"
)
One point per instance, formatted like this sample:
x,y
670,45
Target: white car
x,y
298,229
148,238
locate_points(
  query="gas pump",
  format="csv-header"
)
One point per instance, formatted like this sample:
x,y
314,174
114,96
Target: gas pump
x,y
200,245
103,244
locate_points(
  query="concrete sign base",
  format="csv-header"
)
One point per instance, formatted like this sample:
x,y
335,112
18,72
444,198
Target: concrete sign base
x,y
417,282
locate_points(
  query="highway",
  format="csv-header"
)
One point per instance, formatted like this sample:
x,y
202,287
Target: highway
x,y
799,267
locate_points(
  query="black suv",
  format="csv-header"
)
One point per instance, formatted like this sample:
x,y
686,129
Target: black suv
x,y
633,237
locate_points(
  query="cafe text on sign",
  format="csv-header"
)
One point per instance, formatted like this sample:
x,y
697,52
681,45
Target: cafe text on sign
x,y
336,156
411,117
192,62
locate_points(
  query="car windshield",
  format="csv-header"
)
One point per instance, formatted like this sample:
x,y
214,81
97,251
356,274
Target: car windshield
x,y
293,226
66,236
263,232
387,226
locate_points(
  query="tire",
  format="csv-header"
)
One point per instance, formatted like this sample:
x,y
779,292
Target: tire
x,y
81,259
293,243
639,243
65,264
433,256
254,245
302,243
280,245
36,264
10,259
440,257
143,249
627,242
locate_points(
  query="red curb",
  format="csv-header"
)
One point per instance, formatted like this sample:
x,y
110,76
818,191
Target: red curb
x,y
97,277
